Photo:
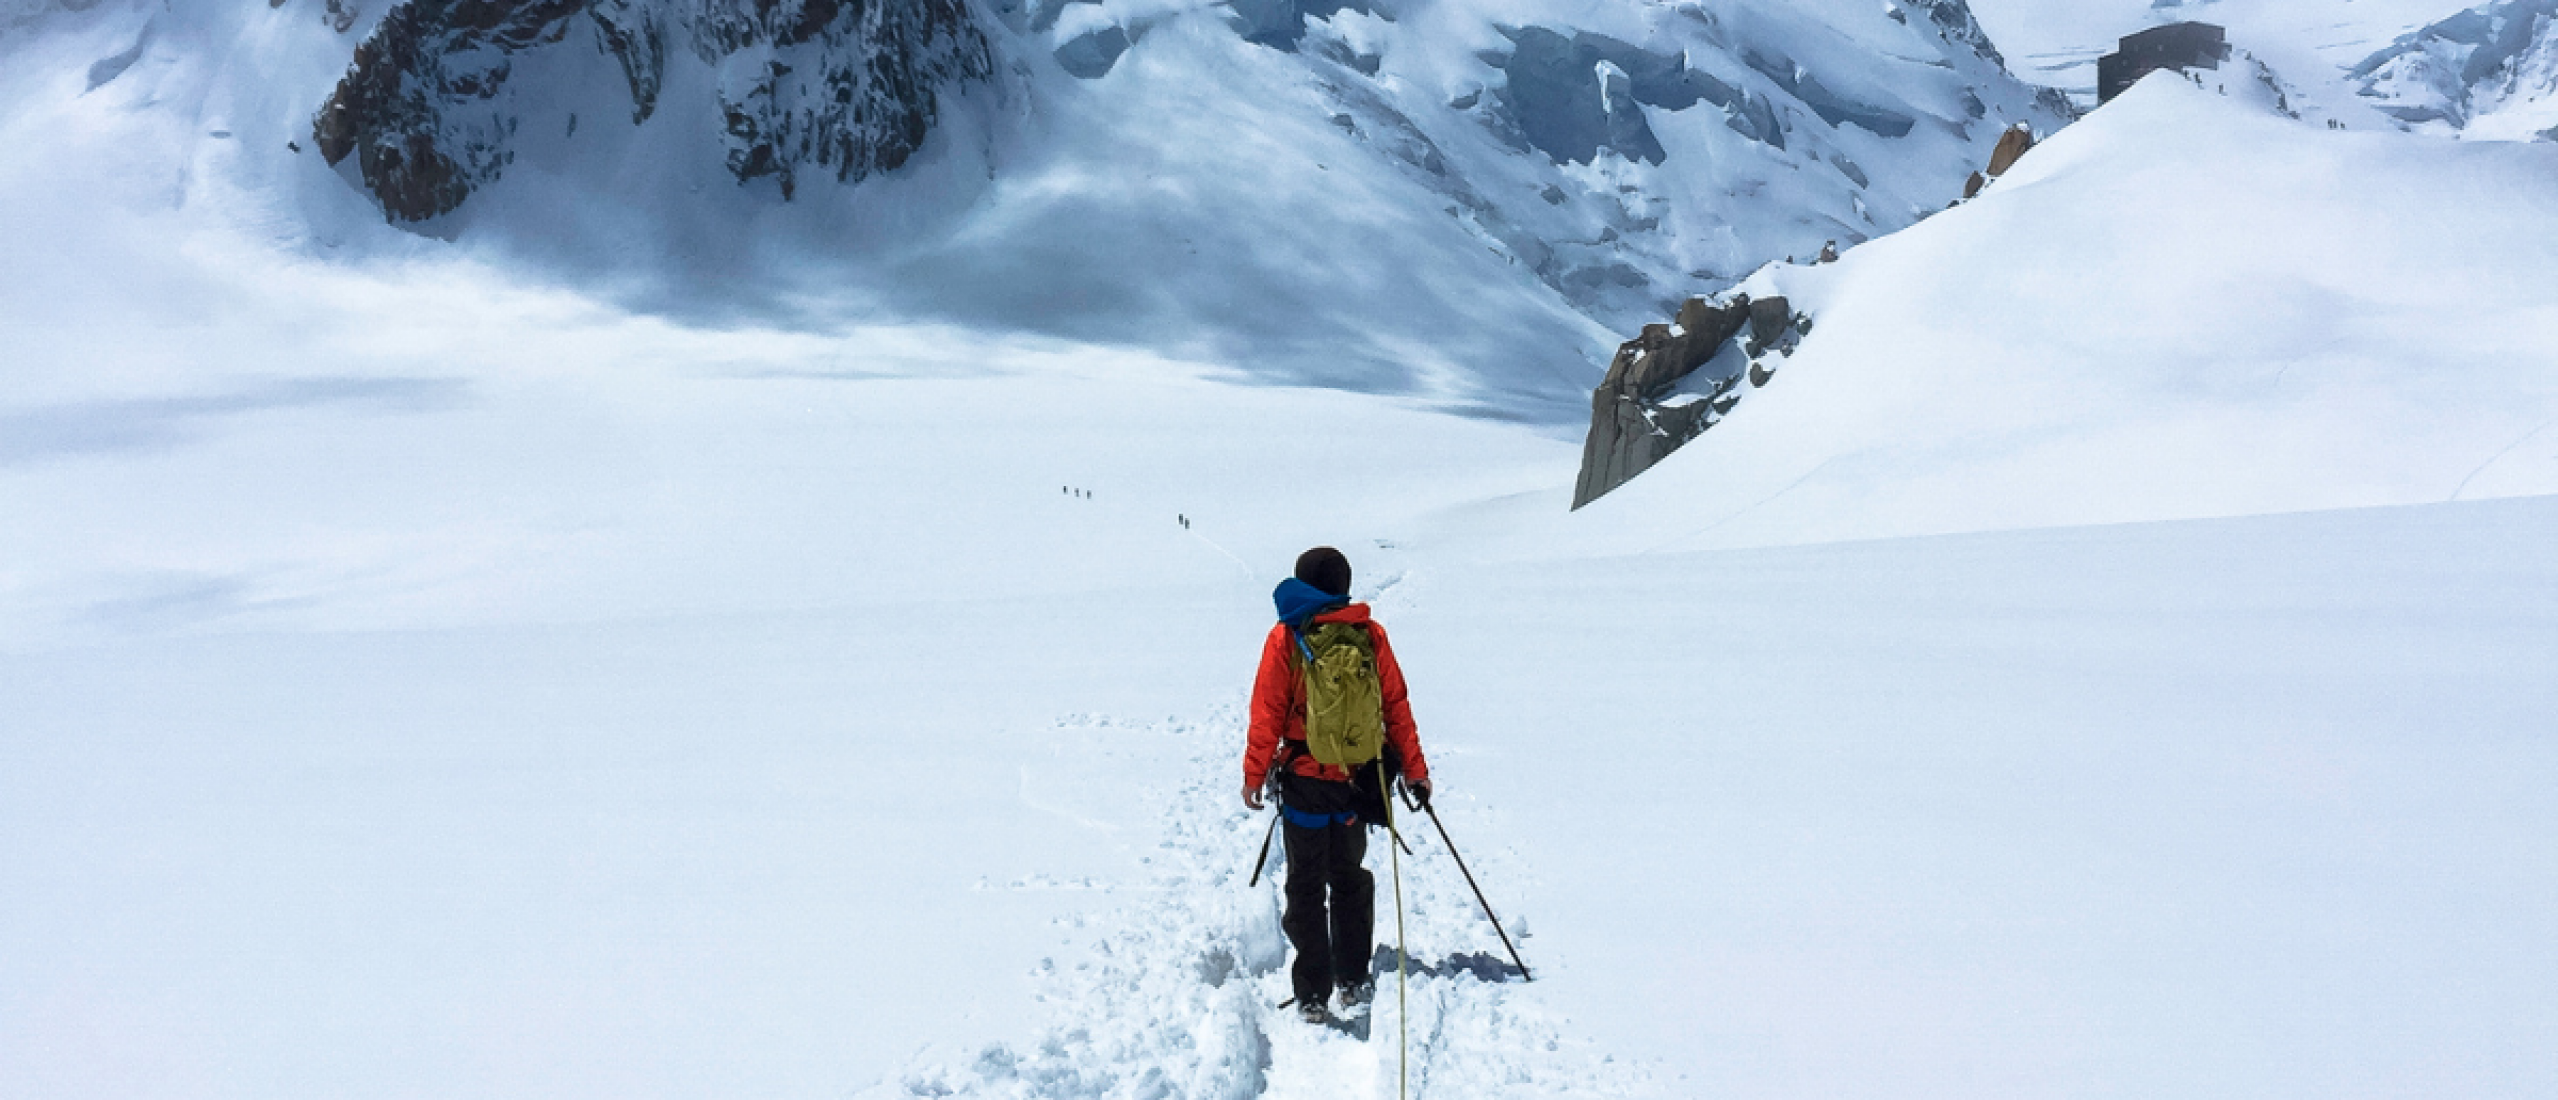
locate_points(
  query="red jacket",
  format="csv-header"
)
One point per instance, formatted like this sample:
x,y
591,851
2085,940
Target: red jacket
x,y
1279,706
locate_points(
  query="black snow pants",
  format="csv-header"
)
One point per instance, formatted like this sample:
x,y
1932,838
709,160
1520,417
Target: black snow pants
x,y
1332,900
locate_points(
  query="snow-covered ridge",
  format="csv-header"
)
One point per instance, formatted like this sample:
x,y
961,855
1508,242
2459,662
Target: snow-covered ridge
x,y
2189,305
2489,72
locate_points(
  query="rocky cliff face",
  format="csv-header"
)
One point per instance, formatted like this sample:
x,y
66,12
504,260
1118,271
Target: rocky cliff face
x,y
1667,386
848,88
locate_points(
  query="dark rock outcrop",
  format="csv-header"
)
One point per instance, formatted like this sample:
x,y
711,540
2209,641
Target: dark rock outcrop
x,y
2012,145
868,101
1642,411
1771,319
390,109
426,109
2015,143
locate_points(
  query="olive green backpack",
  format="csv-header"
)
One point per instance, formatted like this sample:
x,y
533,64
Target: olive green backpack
x,y
1345,701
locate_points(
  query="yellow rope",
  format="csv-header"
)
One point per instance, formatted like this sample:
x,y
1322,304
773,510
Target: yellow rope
x,y
1402,1004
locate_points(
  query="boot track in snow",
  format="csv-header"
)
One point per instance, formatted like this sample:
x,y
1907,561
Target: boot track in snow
x,y
1182,994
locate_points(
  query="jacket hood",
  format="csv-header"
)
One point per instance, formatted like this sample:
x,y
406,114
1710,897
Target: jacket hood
x,y
1299,602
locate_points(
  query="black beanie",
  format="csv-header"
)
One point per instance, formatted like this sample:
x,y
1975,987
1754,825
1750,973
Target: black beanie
x,y
1325,568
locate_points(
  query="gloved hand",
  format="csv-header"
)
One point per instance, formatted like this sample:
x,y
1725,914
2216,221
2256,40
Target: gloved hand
x,y
1420,792
1252,797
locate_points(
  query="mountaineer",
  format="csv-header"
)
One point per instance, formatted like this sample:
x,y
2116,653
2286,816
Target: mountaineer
x,y
1330,731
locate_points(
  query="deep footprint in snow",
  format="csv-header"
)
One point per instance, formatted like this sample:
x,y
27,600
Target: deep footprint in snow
x,y
1181,997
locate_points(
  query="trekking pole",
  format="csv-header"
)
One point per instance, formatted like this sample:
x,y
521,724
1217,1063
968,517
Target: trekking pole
x,y
1269,786
1263,860
1433,811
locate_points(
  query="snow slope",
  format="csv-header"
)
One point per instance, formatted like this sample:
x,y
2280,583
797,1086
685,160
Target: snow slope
x,y
2181,307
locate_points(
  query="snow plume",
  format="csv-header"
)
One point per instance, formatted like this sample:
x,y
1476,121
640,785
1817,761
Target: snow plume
x,y
429,112
2488,72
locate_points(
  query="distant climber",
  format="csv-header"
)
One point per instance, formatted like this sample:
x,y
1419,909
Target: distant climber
x,y
1330,730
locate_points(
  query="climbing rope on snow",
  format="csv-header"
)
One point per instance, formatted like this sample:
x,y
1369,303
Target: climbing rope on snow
x,y
1402,1005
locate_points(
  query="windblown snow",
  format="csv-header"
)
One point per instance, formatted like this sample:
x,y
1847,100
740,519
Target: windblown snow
x,y
2109,657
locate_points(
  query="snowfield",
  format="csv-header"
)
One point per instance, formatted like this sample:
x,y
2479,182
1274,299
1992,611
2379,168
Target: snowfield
x,y
2111,658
